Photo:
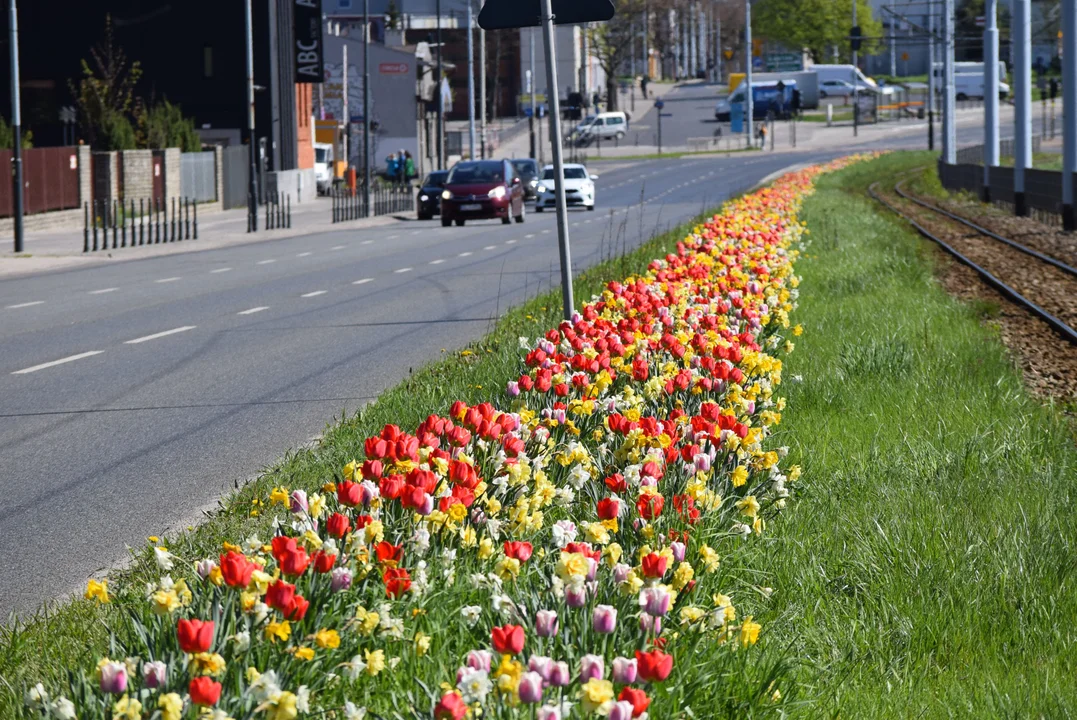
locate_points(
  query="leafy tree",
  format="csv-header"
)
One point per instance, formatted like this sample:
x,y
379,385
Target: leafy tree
x,y
116,133
392,16
106,92
7,136
611,44
816,25
163,125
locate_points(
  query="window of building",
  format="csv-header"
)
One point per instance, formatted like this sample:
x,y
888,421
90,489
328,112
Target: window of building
x,y
207,61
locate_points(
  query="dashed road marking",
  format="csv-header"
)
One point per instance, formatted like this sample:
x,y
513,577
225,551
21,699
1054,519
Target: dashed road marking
x,y
102,291
266,262
167,280
155,336
369,242
304,254
54,363
364,281
464,254
25,304
338,247
490,247
316,293
253,310
437,262
403,270
510,242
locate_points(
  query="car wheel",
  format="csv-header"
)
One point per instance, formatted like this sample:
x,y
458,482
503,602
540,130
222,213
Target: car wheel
x,y
591,207
460,222
620,136
538,208
445,222
822,93
506,220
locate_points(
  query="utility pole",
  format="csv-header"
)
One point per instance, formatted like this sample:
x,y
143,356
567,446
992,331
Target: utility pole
x,y
932,81
366,107
558,162
16,130
893,50
532,83
718,57
482,90
441,95
748,99
1069,113
646,40
991,141
252,185
949,110
1021,35
856,79
470,85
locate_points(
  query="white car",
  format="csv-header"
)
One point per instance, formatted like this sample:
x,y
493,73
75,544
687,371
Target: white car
x,y
579,188
838,88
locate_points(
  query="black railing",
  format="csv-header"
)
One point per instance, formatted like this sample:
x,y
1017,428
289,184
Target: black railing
x,y
278,211
384,200
150,221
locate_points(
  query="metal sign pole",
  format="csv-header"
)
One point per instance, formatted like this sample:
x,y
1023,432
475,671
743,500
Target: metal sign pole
x,y
16,127
1069,113
991,141
252,187
366,106
470,85
558,163
749,101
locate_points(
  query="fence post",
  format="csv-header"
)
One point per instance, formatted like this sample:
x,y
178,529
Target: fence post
x,y
288,200
115,230
196,221
187,216
85,226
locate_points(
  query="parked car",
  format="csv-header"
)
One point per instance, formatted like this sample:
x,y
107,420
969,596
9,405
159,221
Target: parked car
x,y
482,189
838,88
607,126
528,171
579,188
428,204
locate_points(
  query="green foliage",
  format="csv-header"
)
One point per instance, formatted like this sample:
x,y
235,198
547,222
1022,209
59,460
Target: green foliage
x,y
106,92
816,25
163,126
116,133
7,136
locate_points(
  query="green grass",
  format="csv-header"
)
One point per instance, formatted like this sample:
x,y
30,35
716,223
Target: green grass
x,y
1041,161
927,570
74,634
821,117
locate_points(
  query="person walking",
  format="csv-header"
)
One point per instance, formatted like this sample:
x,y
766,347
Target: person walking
x,y
762,134
392,166
644,81
409,166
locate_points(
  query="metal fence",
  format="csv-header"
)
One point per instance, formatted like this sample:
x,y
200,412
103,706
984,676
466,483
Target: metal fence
x,y
236,171
198,176
975,153
51,177
149,221
1043,188
385,200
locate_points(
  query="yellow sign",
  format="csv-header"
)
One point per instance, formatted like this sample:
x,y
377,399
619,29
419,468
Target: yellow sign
x,y
735,79
757,47
728,54
904,56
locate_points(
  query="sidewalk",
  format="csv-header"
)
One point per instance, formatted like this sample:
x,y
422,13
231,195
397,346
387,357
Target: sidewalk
x,y
46,251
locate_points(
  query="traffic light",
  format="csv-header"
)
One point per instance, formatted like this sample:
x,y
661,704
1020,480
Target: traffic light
x,y
855,37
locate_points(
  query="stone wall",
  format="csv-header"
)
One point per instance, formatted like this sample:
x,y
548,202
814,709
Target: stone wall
x,y
300,185
137,174
172,173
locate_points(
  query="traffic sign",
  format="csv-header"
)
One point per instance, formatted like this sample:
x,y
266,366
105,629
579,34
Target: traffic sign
x,y
659,103
507,14
905,56
728,54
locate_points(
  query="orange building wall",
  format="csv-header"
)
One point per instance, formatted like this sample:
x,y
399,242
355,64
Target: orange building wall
x,y
304,101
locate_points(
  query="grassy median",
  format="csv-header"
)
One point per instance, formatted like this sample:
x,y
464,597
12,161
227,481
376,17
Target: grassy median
x,y
927,569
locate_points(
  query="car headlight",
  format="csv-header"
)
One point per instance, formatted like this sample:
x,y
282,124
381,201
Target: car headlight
x,y
534,183
424,198
497,193
446,195
542,189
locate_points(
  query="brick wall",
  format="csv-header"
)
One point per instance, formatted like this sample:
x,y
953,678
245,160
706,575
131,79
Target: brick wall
x,y
304,107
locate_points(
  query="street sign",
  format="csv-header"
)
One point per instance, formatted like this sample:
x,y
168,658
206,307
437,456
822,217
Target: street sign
x,y
659,103
905,56
308,49
728,54
665,114
507,14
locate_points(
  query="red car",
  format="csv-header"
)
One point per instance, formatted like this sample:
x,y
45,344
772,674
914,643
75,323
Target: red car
x,y
481,190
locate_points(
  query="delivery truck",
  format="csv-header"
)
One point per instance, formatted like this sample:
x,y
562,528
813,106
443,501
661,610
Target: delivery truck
x,y
766,98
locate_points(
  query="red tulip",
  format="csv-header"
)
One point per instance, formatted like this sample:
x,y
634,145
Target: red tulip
x,y
282,545
349,493
508,639
297,610
391,487
323,561
236,569
389,554
616,483
654,565
650,506
195,636
397,581
608,508
519,550
294,562
654,665
204,691
450,707
338,525
279,595
637,697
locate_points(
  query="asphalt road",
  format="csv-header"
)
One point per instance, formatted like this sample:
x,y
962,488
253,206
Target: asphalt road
x,y
133,394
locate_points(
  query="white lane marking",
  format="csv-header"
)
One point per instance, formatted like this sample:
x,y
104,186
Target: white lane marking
x,y
545,232
102,291
464,254
364,281
166,333
219,270
490,247
402,270
61,361
316,293
510,242
253,310
304,254
266,262
25,304
391,237
529,235
417,232
368,242
167,280
338,247
436,262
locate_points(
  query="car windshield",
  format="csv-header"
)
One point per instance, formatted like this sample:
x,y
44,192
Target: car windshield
x,y
526,169
571,173
320,155
471,173
435,179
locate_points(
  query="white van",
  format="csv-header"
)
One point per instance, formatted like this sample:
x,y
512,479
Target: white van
x,y
605,125
323,166
971,85
848,73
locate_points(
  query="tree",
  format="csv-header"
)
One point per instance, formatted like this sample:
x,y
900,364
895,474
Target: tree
x,y
163,125
105,94
612,42
7,136
816,25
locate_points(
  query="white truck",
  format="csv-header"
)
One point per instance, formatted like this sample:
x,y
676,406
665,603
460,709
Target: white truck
x,y
848,73
807,83
323,167
969,79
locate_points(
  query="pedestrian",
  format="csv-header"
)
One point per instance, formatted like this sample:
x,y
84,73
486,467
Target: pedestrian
x,y
409,165
392,166
643,85
595,100
762,135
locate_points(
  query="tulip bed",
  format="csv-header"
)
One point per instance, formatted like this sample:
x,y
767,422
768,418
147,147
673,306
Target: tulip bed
x,y
571,549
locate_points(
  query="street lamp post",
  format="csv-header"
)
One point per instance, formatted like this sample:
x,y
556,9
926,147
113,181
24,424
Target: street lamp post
x,y
748,68
366,107
16,130
252,186
441,97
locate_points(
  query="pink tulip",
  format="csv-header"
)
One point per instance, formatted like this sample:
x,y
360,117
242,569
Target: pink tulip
x,y
620,573
155,674
604,619
576,597
342,579
541,665
592,667
530,689
621,710
548,712
545,623
114,678
678,549
650,623
624,670
480,660
654,600
299,501
560,675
